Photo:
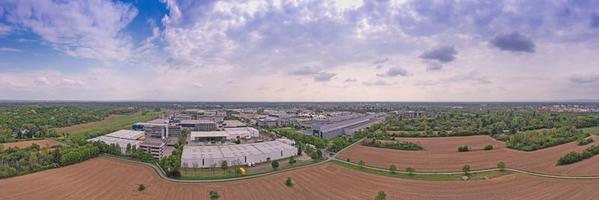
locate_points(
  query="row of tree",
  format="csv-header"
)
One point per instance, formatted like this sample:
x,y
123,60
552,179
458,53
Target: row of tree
x,y
451,123
573,156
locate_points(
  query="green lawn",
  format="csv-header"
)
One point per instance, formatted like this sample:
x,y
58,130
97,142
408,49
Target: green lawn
x,y
426,177
591,130
108,125
218,173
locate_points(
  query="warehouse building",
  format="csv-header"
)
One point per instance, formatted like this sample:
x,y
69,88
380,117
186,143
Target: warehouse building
x,y
199,125
122,138
226,134
240,154
346,126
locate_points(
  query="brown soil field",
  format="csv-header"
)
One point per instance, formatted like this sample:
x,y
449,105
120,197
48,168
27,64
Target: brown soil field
x,y
82,126
441,154
106,178
23,144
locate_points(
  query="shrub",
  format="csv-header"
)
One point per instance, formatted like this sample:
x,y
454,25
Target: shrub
x,y
410,170
381,196
289,182
275,164
488,147
573,156
406,146
463,148
466,169
214,195
141,187
361,163
501,166
584,141
393,169
292,160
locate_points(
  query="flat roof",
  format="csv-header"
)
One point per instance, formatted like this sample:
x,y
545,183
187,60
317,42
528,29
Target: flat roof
x,y
196,121
233,123
112,140
235,150
126,134
195,134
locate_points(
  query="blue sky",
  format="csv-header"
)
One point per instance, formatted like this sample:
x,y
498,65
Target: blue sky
x,y
397,50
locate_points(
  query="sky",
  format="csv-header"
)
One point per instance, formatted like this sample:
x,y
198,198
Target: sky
x,y
298,50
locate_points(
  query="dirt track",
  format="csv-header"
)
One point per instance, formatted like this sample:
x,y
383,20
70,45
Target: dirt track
x,y
441,155
23,144
105,178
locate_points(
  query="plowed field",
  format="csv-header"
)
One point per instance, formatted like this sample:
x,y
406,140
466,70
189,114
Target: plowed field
x,y
441,155
106,178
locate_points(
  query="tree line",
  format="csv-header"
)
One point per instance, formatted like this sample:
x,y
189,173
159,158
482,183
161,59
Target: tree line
x,y
33,121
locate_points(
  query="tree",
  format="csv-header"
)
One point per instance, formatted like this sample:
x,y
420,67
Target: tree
x,y
141,187
361,163
466,170
501,166
381,196
214,195
224,166
393,169
410,170
128,150
488,147
289,182
292,160
275,164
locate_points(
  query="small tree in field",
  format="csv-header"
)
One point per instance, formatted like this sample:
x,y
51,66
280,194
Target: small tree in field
x,y
381,196
361,163
214,195
289,182
466,170
501,166
224,166
410,170
275,165
292,160
393,169
141,187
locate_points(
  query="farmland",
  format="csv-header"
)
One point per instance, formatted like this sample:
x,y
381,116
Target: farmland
x,y
23,144
441,154
110,124
105,178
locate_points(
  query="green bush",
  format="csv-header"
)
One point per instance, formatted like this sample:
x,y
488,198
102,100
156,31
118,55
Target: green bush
x,y
584,141
406,146
463,148
213,195
141,187
289,182
573,156
488,147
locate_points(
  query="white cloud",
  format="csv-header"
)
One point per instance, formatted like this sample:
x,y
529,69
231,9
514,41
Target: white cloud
x,y
87,29
42,80
6,49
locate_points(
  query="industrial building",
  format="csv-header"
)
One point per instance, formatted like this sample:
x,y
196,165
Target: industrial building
x,y
345,126
199,125
233,124
154,147
226,134
122,138
240,154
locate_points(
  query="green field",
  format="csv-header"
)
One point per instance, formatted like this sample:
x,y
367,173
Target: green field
x,y
426,177
107,125
218,173
591,130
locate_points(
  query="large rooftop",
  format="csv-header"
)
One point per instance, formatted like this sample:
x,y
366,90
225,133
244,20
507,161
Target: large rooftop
x,y
228,151
126,134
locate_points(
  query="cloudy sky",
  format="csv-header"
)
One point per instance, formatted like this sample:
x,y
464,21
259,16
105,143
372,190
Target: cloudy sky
x,y
528,50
